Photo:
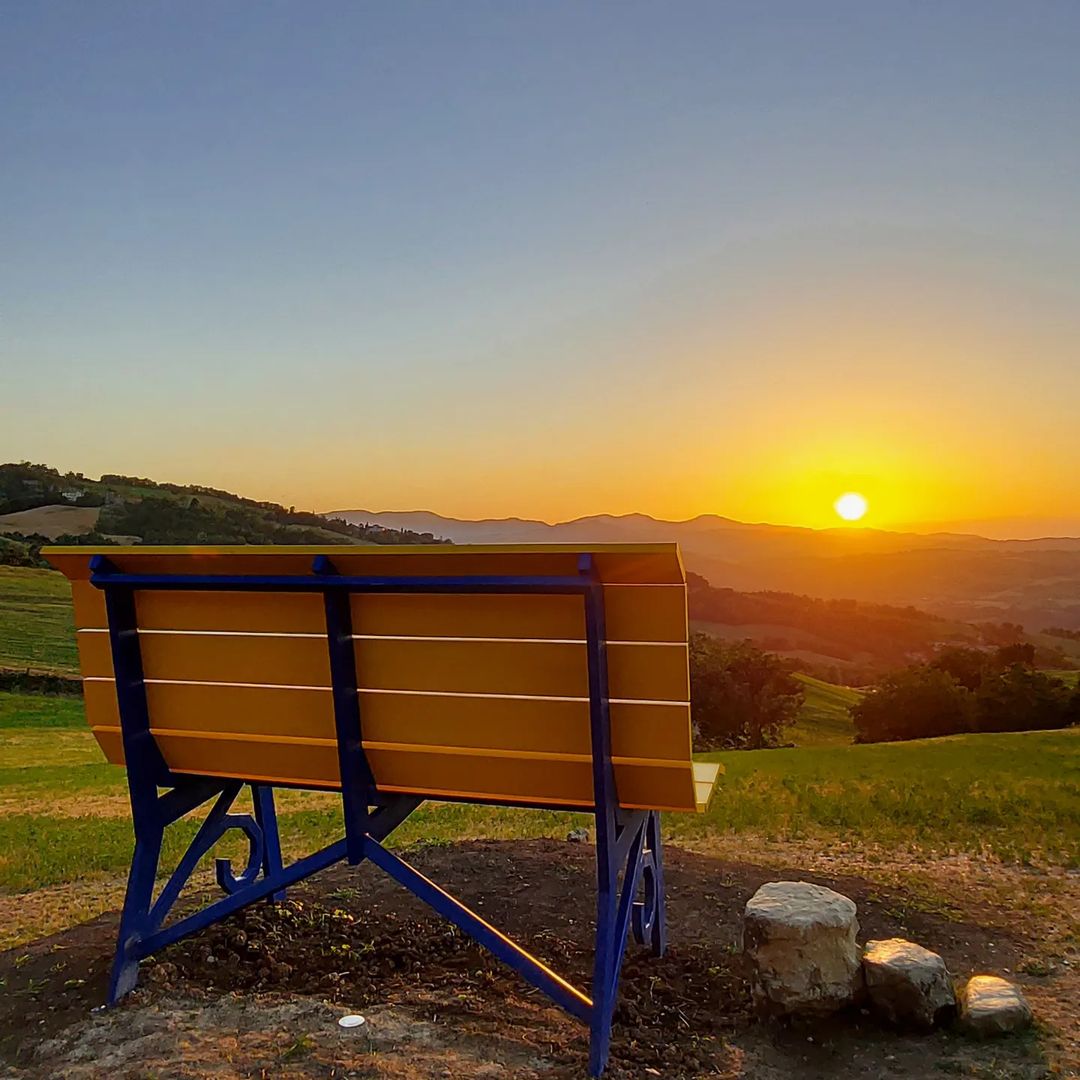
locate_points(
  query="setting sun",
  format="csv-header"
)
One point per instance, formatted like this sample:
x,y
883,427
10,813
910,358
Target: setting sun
x,y
851,506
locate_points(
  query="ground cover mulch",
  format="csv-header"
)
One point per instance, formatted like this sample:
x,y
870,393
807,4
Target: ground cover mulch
x,y
259,995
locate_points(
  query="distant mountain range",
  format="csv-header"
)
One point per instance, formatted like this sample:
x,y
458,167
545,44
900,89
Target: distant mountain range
x,y
960,576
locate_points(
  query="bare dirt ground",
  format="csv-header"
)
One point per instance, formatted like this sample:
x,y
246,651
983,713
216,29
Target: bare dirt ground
x,y
259,996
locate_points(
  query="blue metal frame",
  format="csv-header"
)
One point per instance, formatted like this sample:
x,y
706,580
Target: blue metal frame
x,y
629,857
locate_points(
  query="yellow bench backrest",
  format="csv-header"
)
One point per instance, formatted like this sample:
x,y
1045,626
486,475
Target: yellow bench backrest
x,y
466,696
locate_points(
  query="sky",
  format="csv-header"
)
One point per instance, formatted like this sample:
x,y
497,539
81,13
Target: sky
x,y
550,259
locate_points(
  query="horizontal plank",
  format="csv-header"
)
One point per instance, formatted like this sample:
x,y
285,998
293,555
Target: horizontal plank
x,y
89,606
431,773
550,668
615,563
632,613
505,724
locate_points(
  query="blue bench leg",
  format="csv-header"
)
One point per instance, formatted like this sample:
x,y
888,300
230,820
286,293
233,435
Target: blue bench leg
x,y
618,910
135,922
605,964
262,798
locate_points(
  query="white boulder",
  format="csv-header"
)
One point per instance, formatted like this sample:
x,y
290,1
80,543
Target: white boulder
x,y
800,939
907,984
992,1006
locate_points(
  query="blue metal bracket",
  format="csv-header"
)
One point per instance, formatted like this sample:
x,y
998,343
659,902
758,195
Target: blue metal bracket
x,y
629,858
357,781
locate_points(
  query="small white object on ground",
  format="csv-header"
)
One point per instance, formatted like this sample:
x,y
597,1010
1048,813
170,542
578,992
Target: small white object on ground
x,y
353,1020
993,1006
577,836
908,984
800,939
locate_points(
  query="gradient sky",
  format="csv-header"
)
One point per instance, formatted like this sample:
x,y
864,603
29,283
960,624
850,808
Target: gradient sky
x,y
548,259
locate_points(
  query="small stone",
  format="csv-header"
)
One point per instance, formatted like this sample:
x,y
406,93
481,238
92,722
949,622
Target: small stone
x,y
578,836
991,1006
907,984
800,939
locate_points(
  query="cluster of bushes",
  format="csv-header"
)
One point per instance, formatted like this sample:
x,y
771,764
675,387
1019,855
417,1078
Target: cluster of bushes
x,y
963,690
24,549
740,696
40,682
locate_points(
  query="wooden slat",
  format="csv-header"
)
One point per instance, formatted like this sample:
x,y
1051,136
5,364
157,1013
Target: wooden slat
x,y
433,773
266,613
554,669
99,701
615,563
633,613
557,669
89,606
532,726
95,655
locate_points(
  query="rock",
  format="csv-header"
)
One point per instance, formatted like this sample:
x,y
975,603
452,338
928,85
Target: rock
x,y
800,939
578,836
907,984
992,1006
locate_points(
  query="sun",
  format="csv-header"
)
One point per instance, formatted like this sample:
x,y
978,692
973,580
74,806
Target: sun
x,y
851,506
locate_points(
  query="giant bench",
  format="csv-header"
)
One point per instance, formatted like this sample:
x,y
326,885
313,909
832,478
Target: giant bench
x,y
548,676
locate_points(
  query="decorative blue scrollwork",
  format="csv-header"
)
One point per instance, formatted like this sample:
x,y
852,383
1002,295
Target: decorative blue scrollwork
x,y
647,915
217,823
645,910
229,881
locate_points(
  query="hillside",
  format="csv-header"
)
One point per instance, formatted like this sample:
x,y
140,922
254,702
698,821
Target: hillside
x,y
824,719
968,578
848,641
38,505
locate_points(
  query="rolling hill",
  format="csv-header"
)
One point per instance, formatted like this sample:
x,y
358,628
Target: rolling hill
x,y
961,577
38,504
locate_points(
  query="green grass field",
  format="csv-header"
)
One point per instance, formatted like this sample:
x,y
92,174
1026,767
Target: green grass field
x,y
36,626
63,813
1015,796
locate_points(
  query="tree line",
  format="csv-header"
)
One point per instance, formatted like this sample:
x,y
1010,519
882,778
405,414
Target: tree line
x,y
966,690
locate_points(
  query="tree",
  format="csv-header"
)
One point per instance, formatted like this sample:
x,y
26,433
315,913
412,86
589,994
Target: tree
x,y
740,696
1021,652
967,666
1019,699
915,703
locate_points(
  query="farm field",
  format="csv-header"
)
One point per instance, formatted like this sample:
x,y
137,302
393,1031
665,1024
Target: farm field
x,y
37,630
